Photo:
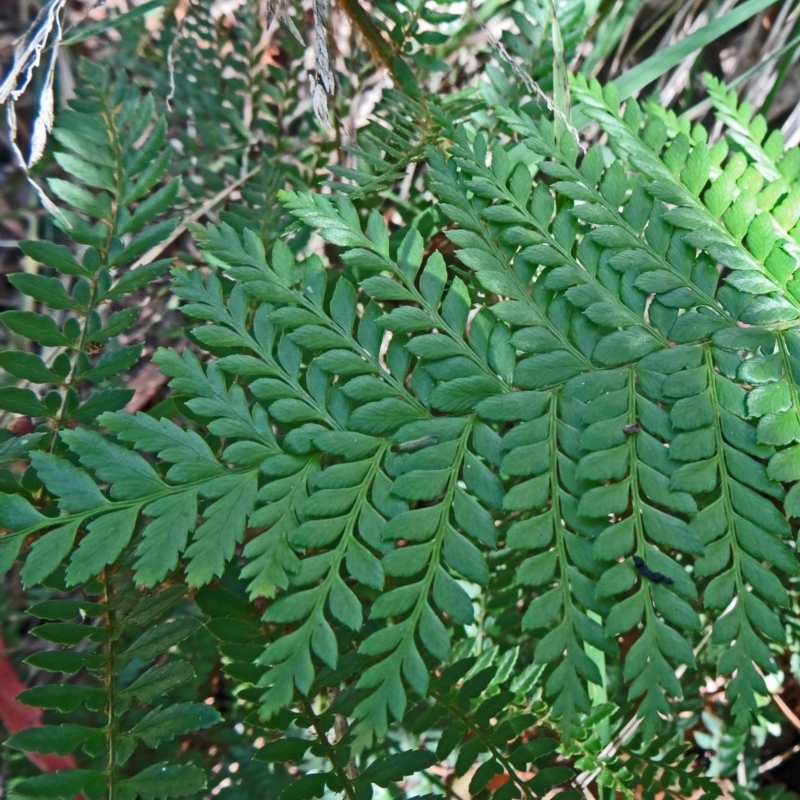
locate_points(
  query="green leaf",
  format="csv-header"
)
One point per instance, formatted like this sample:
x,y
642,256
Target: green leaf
x,y
165,536
671,532
27,366
17,513
307,786
106,538
157,681
37,327
75,490
113,362
538,570
65,609
215,540
173,720
383,417
17,447
290,748
161,637
56,256
383,288
393,768
186,449
404,319
44,289
22,401
451,598
62,697
128,473
102,401
61,739
63,785
133,279
464,558
421,484
96,175
604,500
463,394
67,661
164,780
61,633
785,465
623,347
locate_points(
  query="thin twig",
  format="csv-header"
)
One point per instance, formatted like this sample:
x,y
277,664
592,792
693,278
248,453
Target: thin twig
x,y
157,250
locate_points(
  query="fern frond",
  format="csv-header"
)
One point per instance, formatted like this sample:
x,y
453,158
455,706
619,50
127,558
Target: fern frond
x,y
717,220
509,757
581,432
749,131
387,147
132,676
117,155
738,520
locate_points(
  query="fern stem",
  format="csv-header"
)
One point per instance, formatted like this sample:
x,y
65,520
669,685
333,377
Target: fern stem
x,y
378,43
108,114
348,787
458,715
110,679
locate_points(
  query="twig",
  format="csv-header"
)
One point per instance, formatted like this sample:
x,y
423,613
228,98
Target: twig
x,y
158,249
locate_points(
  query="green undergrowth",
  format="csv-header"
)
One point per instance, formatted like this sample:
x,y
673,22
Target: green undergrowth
x,y
494,490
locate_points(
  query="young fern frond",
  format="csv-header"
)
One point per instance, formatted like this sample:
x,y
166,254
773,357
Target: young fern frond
x,y
388,146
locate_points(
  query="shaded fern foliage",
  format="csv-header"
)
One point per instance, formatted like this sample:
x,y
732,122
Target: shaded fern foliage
x,y
132,674
482,497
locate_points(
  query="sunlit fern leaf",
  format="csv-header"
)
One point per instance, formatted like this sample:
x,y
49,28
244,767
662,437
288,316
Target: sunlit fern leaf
x,y
346,510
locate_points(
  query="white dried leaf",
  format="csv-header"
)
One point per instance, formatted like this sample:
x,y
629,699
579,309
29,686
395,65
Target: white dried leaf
x,y
28,50
279,7
323,65
319,102
45,32
45,116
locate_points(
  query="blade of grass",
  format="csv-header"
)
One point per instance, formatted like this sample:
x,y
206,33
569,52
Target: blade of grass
x,y
610,26
652,68
560,76
114,22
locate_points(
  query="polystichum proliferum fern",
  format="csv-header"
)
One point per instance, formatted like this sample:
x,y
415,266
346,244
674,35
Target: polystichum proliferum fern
x,y
590,418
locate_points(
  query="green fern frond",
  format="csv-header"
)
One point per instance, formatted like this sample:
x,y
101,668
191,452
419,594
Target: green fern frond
x,y
581,431
132,676
465,701
387,147
117,156
749,131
